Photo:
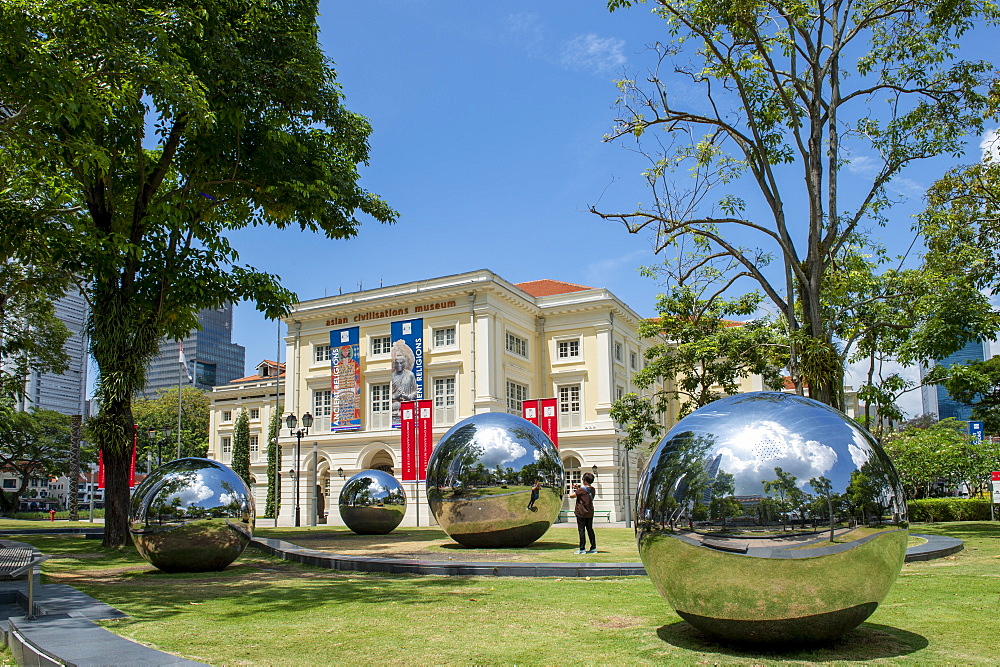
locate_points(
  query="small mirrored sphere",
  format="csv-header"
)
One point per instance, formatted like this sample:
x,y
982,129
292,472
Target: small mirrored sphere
x,y
495,480
769,518
372,503
192,515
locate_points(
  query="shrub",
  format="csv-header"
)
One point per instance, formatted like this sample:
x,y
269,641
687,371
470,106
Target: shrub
x,y
949,509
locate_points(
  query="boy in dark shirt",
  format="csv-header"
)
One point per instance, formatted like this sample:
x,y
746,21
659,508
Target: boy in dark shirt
x,y
584,511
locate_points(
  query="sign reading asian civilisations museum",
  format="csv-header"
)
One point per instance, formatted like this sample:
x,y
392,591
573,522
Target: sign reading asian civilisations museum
x,y
345,380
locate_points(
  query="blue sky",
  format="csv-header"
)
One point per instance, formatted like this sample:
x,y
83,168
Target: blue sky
x,y
488,122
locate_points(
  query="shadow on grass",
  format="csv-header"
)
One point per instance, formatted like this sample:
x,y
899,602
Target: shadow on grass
x,y
869,641
962,530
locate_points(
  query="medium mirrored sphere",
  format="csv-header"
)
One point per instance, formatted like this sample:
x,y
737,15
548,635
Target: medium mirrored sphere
x,y
192,515
769,518
495,480
372,503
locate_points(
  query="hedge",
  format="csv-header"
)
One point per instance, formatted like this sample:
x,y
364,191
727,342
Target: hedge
x,y
949,509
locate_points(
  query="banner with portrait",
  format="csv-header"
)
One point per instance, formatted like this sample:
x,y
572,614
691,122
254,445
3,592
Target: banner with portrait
x,y
345,380
407,353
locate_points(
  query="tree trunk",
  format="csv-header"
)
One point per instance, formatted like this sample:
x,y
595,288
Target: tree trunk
x,y
116,496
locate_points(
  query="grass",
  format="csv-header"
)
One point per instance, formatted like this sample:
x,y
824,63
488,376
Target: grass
x,y
265,611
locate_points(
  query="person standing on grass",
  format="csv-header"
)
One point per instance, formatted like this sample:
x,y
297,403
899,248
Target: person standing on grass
x,y
535,490
584,511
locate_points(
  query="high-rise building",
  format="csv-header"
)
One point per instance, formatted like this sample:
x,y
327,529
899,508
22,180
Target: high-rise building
x,y
935,399
211,356
64,392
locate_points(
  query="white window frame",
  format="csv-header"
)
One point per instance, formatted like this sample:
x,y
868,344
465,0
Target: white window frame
x,y
254,447
380,345
570,399
445,396
227,415
565,349
619,352
322,402
515,344
574,473
254,413
448,340
226,447
379,406
633,360
321,353
516,393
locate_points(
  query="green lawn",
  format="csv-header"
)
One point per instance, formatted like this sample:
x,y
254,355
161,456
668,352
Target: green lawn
x,y
265,611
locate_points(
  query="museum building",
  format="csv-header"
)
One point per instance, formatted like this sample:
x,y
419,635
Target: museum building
x,y
467,343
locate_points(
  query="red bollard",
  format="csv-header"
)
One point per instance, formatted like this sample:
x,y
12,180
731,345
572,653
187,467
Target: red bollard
x,y
52,515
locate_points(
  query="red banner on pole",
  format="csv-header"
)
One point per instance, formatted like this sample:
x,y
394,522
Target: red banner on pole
x,y
100,469
529,410
549,407
425,435
135,445
407,439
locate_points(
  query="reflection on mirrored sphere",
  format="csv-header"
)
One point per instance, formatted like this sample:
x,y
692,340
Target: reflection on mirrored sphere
x,y
495,480
372,503
192,515
771,518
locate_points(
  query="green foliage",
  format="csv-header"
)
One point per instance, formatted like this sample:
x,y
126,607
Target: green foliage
x,y
184,124
948,509
273,503
241,446
700,348
160,413
976,383
784,106
940,453
37,444
31,336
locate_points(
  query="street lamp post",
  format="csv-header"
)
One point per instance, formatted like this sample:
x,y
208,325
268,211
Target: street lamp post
x,y
153,434
292,422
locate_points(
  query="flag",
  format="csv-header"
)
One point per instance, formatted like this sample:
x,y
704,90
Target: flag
x,y
183,361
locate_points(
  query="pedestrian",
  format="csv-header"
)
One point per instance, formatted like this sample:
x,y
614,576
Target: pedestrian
x,y
535,490
584,511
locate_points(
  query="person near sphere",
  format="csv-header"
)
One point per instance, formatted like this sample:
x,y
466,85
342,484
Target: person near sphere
x,y
584,511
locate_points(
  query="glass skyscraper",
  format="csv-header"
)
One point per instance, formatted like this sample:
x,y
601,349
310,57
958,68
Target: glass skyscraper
x,y
936,399
212,358
64,392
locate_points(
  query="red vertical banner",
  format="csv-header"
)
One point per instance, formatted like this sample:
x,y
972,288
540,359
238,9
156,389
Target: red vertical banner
x,y
425,435
407,439
529,410
135,445
100,469
549,407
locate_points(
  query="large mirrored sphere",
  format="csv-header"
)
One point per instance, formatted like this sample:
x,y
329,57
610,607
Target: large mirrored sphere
x,y
770,518
192,515
480,481
372,503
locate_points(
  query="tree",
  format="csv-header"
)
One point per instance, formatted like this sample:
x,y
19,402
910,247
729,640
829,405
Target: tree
x,y
788,492
33,444
241,446
160,412
824,487
975,383
778,111
273,464
700,351
185,123
940,454
31,336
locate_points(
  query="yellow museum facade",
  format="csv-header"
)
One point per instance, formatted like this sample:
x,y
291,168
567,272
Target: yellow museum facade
x,y
483,344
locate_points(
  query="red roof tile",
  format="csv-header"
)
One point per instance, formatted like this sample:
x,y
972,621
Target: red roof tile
x,y
546,287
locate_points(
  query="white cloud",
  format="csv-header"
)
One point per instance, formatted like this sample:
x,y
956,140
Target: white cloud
x,y
592,53
498,447
752,454
990,145
195,492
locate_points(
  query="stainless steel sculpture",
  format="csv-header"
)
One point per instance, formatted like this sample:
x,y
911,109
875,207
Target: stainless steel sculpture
x,y
372,503
771,518
480,478
192,515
